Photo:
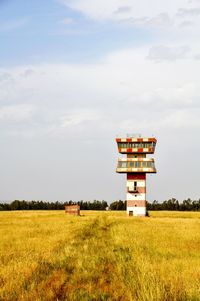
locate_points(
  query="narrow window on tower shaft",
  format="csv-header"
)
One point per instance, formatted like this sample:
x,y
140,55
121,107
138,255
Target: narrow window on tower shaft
x,y
135,185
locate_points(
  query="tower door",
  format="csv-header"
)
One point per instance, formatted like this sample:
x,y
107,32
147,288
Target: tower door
x,y
135,210
130,213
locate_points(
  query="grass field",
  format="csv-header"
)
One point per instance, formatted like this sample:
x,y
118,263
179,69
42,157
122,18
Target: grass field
x,y
47,255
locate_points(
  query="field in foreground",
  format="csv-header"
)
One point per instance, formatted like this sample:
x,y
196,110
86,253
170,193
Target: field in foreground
x,y
99,256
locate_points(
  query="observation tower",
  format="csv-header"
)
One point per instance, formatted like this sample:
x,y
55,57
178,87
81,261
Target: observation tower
x,y
136,165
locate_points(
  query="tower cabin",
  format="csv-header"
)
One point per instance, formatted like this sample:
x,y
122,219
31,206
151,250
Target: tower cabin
x,y
136,165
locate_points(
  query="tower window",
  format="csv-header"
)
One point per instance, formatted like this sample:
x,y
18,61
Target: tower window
x,y
149,164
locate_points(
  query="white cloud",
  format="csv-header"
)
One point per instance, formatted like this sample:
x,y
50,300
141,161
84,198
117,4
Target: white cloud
x,y
197,57
179,18
101,97
190,12
12,24
186,24
157,14
161,20
72,32
79,117
67,21
5,76
16,113
123,10
102,9
173,121
166,53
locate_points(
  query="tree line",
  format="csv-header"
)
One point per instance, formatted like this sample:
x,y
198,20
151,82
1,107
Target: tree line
x,y
45,205
174,205
171,204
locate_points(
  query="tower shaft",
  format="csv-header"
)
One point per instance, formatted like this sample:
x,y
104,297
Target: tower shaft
x,y
136,194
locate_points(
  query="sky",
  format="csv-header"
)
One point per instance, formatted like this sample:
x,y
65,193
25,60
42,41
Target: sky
x,y
74,74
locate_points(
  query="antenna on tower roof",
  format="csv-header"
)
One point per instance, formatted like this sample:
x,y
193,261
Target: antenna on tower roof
x,y
134,135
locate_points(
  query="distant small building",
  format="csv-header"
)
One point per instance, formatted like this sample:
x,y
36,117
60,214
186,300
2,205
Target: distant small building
x,y
72,209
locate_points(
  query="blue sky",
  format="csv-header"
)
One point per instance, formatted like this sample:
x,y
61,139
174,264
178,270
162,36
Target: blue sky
x,y
50,31
75,73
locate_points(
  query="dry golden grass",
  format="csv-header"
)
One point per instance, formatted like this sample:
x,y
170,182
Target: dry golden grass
x,y
99,256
